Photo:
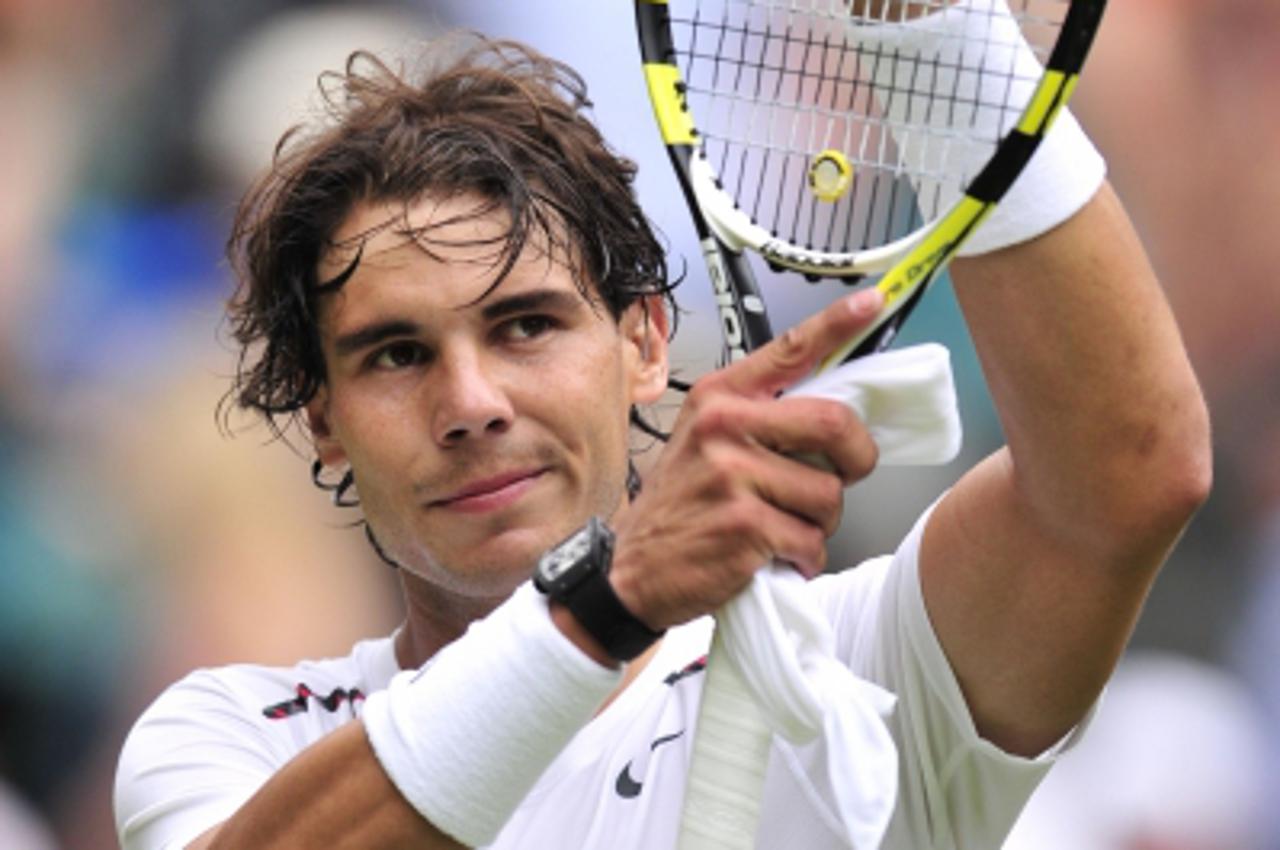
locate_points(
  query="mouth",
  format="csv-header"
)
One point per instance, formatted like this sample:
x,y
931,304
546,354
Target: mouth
x,y
490,494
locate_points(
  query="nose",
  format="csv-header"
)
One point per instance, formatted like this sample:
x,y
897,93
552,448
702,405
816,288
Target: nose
x,y
469,401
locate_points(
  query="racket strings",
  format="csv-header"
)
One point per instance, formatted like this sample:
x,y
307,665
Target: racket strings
x,y
776,84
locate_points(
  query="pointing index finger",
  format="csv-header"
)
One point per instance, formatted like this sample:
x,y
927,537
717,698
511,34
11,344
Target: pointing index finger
x,y
779,364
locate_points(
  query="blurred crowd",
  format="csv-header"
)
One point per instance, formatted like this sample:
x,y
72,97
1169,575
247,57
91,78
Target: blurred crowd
x,y
140,537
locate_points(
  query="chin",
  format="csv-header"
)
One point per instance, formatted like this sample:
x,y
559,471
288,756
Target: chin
x,y
495,571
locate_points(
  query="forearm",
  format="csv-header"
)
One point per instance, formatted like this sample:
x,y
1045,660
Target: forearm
x,y
335,794
441,754
1105,423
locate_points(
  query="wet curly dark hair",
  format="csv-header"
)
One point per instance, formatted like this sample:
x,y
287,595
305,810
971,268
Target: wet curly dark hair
x,y
492,119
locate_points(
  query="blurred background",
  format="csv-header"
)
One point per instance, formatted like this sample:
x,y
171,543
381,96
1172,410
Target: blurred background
x,y
138,541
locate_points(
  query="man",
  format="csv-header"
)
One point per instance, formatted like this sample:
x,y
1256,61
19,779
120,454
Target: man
x,y
454,288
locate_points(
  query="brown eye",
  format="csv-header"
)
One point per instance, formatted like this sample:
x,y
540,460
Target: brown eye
x,y
399,355
528,327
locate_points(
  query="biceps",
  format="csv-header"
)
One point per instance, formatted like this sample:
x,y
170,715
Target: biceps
x,y
1031,624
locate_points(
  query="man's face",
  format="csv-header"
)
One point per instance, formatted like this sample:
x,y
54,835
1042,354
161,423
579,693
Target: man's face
x,y
481,430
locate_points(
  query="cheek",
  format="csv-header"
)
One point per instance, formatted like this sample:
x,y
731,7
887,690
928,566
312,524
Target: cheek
x,y
585,402
377,435
594,388
604,407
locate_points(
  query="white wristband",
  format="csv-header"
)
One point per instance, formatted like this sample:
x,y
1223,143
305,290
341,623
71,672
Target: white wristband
x,y
1063,174
465,738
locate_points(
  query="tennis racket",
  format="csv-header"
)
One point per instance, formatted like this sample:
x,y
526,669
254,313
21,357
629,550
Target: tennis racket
x,y
860,141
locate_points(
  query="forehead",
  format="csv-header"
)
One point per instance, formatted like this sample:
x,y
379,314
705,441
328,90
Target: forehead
x,y
461,231
437,262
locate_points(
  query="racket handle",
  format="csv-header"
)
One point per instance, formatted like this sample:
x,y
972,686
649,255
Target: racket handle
x,y
730,755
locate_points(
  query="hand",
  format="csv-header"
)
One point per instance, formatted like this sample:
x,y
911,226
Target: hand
x,y
728,495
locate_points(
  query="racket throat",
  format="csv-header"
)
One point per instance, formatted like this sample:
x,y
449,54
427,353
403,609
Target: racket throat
x,y
744,323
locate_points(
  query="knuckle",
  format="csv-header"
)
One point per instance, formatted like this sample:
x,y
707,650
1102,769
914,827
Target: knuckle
x,y
791,350
742,518
830,490
835,510
807,548
750,526
868,452
817,545
832,421
713,416
701,389
859,455
820,562
725,470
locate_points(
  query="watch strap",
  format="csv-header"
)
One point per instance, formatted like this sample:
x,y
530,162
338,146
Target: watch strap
x,y
597,608
583,587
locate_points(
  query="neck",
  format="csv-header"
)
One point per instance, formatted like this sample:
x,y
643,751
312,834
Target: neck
x,y
435,618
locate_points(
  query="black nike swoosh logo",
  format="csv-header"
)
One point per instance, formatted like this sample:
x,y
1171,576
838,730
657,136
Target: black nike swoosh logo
x,y
627,786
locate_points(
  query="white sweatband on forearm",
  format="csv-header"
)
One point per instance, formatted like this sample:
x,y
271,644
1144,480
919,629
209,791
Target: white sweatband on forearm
x,y
465,738
1063,174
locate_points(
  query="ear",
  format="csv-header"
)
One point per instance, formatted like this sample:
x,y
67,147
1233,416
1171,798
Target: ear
x,y
328,448
644,329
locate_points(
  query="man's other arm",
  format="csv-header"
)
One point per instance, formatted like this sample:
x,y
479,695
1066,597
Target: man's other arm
x,y
1036,565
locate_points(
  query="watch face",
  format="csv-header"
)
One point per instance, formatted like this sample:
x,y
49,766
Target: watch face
x,y
566,556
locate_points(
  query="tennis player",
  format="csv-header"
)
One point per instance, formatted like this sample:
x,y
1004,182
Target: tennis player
x,y
452,288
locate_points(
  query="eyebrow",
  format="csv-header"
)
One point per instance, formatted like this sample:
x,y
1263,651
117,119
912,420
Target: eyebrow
x,y
555,300
371,335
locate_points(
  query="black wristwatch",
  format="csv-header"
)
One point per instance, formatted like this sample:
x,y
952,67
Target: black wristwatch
x,y
575,573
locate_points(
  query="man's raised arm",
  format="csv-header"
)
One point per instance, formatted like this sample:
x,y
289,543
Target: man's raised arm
x,y
1035,566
